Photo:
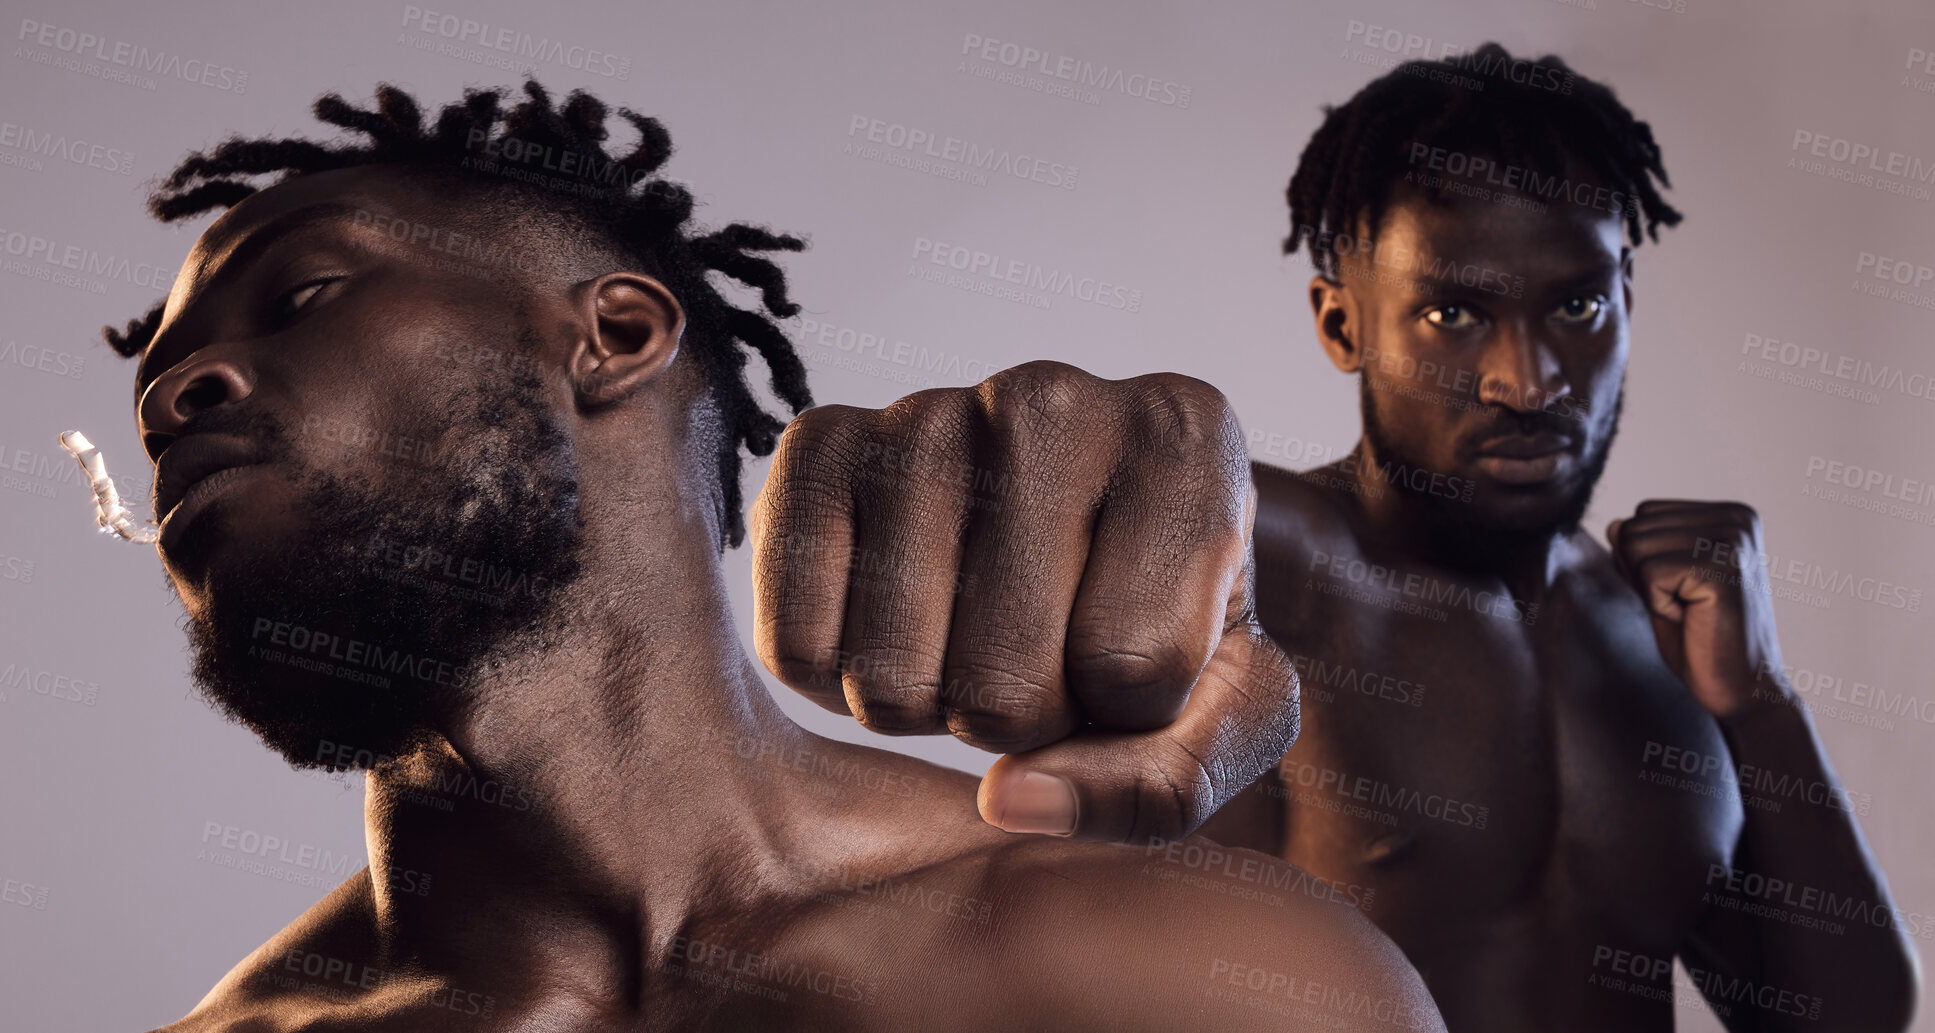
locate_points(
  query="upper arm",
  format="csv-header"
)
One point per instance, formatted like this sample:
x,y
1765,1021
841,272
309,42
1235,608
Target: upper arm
x,y
1203,960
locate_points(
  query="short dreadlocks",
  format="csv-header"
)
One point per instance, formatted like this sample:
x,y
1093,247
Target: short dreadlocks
x,y
644,217
1537,118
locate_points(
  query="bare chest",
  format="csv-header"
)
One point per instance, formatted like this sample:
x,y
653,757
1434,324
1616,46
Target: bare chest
x,y
1492,766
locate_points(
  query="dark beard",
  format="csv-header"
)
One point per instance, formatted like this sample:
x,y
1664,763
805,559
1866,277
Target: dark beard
x,y
1463,522
355,646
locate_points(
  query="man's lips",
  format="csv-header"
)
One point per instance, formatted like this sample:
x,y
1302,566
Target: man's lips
x,y
1524,459
1525,446
189,460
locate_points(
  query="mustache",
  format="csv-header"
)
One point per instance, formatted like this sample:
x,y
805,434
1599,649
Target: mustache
x,y
259,428
1563,418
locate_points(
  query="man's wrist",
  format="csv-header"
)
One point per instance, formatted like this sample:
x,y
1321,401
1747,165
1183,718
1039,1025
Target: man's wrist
x,y
1766,692
1767,706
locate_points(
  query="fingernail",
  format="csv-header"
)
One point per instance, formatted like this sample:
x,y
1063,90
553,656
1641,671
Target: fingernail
x,y
1037,803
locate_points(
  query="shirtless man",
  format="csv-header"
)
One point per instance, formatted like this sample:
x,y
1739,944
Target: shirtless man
x,y
446,458
1552,768
1559,765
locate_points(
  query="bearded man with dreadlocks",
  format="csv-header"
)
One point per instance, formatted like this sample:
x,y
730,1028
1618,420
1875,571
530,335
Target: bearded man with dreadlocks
x,y
1560,765
448,427
1555,766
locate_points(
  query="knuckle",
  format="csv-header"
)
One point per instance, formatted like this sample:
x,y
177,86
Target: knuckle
x,y
810,461
988,712
893,712
1183,414
799,669
914,442
1021,377
928,419
1038,405
887,690
1175,793
818,431
1135,678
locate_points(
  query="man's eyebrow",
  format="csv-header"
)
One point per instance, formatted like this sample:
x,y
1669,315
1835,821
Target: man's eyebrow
x,y
1444,270
266,236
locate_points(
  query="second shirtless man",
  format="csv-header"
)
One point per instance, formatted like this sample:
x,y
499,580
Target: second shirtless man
x,y
1557,766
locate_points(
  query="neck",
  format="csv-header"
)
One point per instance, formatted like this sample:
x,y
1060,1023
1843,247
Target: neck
x,y
596,777
1425,523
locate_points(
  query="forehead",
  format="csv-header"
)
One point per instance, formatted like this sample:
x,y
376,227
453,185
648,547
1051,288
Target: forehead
x,y
375,188
1564,232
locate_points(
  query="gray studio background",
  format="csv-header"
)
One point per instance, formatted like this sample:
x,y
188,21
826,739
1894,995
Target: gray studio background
x,y
118,916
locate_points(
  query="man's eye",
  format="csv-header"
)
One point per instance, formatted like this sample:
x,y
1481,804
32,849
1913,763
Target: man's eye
x,y
292,300
1580,310
1451,317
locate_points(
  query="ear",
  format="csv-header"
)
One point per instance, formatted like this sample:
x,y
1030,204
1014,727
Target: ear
x,y
631,326
1330,303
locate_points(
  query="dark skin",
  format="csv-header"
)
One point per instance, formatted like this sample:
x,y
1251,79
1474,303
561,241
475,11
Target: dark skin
x,y
1499,712
698,861
1595,864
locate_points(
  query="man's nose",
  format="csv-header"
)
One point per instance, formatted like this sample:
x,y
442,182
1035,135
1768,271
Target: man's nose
x,y
197,384
1521,372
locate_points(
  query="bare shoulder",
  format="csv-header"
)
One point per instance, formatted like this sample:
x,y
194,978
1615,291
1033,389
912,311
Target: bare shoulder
x,y
290,981
1594,585
1299,511
1186,935
1039,932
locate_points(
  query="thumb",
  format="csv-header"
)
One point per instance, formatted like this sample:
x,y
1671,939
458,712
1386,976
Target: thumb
x,y
1130,787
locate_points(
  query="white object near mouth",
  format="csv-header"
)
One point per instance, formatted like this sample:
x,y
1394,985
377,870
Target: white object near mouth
x,y
113,517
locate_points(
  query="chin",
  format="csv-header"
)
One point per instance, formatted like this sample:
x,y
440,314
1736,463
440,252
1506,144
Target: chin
x,y
238,536
1555,506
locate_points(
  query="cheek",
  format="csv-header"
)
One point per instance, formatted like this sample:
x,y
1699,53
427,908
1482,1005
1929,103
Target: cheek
x,y
1601,383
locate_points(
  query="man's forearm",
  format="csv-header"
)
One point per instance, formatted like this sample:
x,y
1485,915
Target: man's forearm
x,y
1811,844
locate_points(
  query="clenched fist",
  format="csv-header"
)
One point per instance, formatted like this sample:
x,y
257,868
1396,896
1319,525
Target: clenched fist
x,y
1699,568
1048,565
